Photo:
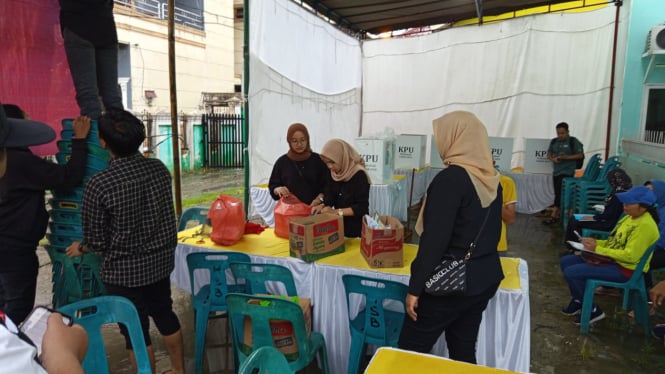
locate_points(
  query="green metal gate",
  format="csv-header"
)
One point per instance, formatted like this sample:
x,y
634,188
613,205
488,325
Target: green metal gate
x,y
222,137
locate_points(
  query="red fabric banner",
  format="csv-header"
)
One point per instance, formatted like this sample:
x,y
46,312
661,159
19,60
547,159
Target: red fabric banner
x,y
33,66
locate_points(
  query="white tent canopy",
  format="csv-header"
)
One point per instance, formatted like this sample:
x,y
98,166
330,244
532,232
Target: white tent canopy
x,y
520,76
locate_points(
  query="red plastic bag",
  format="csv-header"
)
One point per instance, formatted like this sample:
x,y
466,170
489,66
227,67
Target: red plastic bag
x,y
286,209
227,217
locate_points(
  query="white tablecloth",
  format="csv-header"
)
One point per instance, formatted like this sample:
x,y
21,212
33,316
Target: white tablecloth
x,y
417,178
535,192
385,199
503,339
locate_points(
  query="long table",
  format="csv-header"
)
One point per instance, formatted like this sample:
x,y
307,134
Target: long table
x,y
385,199
503,339
535,192
388,360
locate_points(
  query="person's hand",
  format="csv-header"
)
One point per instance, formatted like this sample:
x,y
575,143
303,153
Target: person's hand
x,y
316,202
322,209
282,191
589,243
73,250
81,126
63,347
657,293
411,306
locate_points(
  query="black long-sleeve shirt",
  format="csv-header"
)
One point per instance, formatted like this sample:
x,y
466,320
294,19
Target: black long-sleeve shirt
x,y
452,218
353,194
305,179
23,216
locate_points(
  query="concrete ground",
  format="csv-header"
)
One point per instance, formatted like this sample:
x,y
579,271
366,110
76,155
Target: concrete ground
x,y
615,344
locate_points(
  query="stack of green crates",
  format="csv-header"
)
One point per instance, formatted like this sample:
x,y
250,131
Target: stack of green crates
x,y
73,278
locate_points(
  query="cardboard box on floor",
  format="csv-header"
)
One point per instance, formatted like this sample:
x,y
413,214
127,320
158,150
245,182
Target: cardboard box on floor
x,y
382,248
283,336
315,237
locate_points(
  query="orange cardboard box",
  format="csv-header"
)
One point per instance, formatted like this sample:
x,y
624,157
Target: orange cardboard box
x,y
283,336
382,248
315,237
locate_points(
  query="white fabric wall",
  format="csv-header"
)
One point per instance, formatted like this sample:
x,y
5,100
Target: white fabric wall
x,y
520,77
301,70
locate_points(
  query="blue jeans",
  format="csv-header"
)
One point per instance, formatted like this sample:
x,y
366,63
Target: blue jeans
x,y
576,272
95,73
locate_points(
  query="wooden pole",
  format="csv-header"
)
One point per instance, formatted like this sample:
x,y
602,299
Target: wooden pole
x,y
175,138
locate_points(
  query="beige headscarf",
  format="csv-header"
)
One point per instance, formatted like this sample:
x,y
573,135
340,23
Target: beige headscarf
x,y
346,157
462,140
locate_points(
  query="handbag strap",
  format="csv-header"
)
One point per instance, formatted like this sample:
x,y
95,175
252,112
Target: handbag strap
x,y
475,240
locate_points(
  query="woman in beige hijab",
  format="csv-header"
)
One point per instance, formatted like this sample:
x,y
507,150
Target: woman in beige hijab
x,y
348,193
458,200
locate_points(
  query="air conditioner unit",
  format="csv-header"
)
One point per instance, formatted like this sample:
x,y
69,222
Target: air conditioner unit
x,y
655,40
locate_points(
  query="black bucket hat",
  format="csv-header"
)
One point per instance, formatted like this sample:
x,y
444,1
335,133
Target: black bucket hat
x,y
16,133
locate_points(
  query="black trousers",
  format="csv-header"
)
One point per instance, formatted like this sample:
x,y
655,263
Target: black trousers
x,y
558,182
657,262
458,316
18,281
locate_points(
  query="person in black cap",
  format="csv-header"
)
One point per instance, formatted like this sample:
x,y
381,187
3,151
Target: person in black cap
x,y
24,177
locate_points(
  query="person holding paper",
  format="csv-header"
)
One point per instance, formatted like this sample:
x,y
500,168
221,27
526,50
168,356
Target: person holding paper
x,y
626,245
347,194
563,151
605,221
300,171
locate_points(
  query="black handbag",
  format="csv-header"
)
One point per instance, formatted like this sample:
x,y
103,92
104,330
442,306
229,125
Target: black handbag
x,y
449,277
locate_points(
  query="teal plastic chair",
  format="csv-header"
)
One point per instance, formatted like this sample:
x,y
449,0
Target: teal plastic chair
x,y
92,314
257,275
633,290
74,278
193,217
209,299
264,309
374,324
265,360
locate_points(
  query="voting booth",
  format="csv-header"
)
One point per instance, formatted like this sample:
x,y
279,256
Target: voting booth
x,y
502,152
535,156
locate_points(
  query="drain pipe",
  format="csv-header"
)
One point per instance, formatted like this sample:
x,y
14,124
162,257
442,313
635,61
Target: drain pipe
x,y
608,133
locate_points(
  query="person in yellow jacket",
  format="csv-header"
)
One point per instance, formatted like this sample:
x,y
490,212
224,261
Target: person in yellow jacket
x,y
509,196
627,243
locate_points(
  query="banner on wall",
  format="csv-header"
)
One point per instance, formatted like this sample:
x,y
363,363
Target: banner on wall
x,y
502,152
535,156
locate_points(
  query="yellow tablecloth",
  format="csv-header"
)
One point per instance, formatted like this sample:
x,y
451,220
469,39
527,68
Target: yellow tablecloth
x,y
391,360
267,244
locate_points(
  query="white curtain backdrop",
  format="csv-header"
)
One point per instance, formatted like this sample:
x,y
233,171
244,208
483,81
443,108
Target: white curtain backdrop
x,y
520,77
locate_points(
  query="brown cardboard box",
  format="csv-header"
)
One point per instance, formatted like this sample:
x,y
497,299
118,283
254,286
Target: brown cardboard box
x,y
315,237
383,248
283,336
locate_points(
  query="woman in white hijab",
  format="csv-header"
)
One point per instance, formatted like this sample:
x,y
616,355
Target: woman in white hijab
x,y
458,201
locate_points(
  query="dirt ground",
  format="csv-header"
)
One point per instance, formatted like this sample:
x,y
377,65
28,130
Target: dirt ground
x,y
614,345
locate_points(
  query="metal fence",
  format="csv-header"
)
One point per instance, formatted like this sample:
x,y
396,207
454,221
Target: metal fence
x,y
222,134
159,9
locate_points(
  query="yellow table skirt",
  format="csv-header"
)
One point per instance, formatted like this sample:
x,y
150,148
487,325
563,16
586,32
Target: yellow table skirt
x,y
267,244
391,360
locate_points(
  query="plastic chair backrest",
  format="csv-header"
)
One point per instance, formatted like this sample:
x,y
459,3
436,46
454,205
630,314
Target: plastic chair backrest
x,y
256,275
261,311
375,291
265,360
92,314
609,165
592,168
215,264
636,279
198,214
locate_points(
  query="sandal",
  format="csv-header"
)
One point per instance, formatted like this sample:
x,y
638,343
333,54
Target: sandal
x,y
550,221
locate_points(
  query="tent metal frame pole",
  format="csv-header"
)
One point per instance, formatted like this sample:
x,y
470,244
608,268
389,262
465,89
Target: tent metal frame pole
x,y
245,91
175,137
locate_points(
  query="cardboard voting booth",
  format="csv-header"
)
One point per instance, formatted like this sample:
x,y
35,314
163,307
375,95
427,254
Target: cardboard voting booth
x,y
382,248
435,160
315,237
535,156
410,151
378,154
502,152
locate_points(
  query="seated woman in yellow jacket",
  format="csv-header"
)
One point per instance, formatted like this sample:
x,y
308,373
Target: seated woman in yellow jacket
x,y
629,240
